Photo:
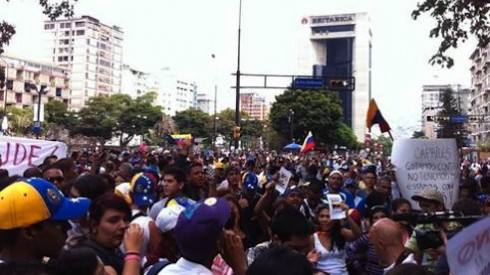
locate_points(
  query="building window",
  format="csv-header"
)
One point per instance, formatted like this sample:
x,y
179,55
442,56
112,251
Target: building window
x,y
18,98
81,32
58,92
48,26
67,33
79,24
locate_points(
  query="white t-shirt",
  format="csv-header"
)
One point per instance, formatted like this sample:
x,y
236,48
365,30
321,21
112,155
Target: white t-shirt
x,y
185,267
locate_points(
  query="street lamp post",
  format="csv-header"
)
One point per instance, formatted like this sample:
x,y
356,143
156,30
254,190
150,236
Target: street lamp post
x,y
237,102
213,143
43,89
291,122
5,89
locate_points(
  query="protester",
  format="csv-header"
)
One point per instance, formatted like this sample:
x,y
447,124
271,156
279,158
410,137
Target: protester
x,y
174,185
34,218
54,175
330,240
109,218
289,228
198,233
361,255
142,192
281,261
386,237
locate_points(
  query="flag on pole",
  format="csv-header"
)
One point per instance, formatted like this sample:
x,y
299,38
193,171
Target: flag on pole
x,y
177,139
374,116
308,144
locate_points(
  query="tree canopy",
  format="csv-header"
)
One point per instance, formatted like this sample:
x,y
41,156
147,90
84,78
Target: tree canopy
x,y
455,20
316,111
446,127
194,121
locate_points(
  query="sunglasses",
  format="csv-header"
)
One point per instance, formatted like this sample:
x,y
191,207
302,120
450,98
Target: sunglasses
x,y
55,179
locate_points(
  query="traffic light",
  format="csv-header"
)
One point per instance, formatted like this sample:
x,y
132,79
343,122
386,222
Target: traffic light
x,y
339,84
236,132
475,118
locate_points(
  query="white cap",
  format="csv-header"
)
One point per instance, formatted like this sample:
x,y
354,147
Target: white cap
x,y
168,216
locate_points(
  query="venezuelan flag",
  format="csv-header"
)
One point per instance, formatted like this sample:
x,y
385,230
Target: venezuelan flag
x,y
308,144
374,116
177,139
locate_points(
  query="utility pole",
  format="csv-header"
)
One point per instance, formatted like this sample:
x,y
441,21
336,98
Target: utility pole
x,y
237,102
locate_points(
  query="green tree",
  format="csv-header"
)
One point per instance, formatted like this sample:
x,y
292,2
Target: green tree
x,y
117,116
226,121
51,10
316,111
194,121
56,112
386,142
455,20
135,117
20,120
447,128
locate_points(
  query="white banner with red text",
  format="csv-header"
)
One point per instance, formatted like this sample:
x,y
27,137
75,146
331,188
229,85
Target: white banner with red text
x,y
18,154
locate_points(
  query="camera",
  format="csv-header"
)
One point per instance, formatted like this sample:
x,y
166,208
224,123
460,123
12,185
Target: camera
x,y
428,239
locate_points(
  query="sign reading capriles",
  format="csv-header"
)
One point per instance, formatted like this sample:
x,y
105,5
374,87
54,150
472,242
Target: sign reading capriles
x,y
427,163
18,154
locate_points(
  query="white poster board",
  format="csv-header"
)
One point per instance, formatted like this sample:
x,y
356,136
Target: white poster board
x,y
468,251
18,154
284,176
427,163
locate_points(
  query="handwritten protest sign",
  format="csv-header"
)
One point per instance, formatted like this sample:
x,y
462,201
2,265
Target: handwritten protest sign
x,y
427,163
467,252
284,177
18,154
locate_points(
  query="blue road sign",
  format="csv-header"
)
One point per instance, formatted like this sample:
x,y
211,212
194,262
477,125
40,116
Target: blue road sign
x,y
309,83
459,119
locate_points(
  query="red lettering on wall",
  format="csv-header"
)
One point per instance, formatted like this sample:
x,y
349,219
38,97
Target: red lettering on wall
x,y
55,149
5,158
19,149
32,153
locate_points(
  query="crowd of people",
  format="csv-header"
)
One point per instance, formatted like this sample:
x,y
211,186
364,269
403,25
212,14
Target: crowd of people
x,y
181,212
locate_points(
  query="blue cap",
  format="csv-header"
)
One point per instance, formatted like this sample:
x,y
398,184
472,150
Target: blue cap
x,y
250,182
143,189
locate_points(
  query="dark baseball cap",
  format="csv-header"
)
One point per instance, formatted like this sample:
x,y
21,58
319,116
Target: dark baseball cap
x,y
199,226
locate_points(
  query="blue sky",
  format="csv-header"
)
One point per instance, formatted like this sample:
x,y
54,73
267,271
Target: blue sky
x,y
183,34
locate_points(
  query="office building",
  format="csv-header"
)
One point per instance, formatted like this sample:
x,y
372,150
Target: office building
x,y
134,82
19,71
338,48
91,50
432,105
480,90
204,103
174,93
254,105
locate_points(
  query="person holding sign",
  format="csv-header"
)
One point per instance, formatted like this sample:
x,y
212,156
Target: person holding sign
x,y
334,186
330,240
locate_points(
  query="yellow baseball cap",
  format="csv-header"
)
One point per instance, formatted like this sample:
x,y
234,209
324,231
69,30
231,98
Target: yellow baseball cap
x,y
30,201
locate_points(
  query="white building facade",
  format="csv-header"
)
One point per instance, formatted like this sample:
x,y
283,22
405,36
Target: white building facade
x,y
480,91
339,46
91,50
20,71
204,103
